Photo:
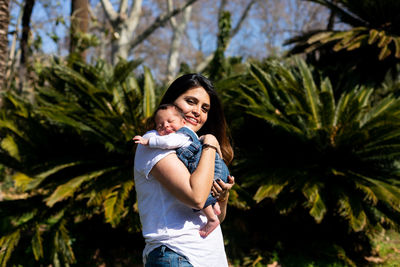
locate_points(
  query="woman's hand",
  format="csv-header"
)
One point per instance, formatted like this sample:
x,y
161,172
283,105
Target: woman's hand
x,y
220,190
211,140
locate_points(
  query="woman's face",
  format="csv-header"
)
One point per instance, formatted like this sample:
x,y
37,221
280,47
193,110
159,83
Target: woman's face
x,y
195,104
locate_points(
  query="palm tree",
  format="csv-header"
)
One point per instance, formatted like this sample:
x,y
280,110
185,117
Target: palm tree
x,y
337,160
72,155
367,50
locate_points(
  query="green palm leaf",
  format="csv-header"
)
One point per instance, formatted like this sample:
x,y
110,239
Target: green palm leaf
x,y
7,245
74,144
62,243
315,203
352,209
9,145
346,150
114,203
37,246
149,101
67,190
310,92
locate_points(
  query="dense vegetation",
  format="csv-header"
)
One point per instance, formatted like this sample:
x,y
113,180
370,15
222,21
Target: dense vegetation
x,y
317,151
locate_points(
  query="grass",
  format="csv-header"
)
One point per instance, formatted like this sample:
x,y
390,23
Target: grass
x,y
387,246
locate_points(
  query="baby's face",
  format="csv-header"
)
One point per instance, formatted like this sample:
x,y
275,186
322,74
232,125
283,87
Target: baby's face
x,y
168,121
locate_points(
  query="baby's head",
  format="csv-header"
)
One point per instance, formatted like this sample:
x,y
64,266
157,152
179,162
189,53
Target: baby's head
x,y
168,118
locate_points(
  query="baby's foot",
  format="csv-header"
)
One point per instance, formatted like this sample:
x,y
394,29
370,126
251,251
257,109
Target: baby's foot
x,y
209,227
217,208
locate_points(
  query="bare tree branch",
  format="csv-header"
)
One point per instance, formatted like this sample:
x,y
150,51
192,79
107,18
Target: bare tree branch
x,y
159,22
109,10
170,6
242,18
134,16
123,7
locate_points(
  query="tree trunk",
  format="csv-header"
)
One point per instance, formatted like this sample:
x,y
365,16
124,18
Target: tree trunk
x,y
124,25
23,72
178,28
203,65
4,21
331,20
79,25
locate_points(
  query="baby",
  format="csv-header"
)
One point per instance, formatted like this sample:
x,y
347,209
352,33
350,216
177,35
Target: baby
x,y
174,134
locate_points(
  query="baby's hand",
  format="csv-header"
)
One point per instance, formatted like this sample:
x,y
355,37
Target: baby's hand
x,y
140,140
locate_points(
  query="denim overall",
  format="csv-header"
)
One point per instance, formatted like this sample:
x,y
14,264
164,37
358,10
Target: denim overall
x,y
190,156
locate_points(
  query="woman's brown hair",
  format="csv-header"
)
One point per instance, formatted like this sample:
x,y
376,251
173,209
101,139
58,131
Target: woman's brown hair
x,y
216,123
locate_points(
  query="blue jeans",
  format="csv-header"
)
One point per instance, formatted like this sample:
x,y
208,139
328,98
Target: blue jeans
x,y
166,257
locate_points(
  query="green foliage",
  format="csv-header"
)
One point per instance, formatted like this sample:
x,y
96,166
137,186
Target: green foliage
x,y
218,64
387,245
335,159
368,49
72,155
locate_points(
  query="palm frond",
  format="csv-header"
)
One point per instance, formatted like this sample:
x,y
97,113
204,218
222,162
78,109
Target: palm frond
x,y
37,243
114,203
351,209
67,190
315,202
149,103
7,245
343,152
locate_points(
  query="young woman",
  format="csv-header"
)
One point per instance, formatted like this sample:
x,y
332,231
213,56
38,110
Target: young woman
x,y
167,192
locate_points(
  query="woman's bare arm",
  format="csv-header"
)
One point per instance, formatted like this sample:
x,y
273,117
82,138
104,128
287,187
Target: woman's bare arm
x,y
192,189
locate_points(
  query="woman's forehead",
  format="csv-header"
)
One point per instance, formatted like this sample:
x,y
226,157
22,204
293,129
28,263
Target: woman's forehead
x,y
198,92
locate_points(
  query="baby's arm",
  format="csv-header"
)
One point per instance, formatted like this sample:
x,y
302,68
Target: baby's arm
x,y
140,140
170,141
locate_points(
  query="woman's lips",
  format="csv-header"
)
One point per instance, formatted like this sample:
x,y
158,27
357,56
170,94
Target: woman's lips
x,y
192,120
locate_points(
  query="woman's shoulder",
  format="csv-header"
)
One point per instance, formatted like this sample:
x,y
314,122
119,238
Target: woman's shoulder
x,y
150,133
146,158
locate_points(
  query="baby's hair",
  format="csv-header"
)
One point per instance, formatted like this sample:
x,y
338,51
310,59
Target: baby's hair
x,y
167,106
150,122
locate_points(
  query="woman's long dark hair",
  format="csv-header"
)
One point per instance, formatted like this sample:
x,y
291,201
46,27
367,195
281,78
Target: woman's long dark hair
x,y
216,123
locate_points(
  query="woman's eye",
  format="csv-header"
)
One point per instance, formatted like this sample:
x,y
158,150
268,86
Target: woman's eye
x,y
190,101
205,110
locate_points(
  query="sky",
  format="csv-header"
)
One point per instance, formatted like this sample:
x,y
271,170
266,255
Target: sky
x,y
251,39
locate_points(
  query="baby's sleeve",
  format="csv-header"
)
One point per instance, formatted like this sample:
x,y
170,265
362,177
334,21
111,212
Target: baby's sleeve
x,y
170,141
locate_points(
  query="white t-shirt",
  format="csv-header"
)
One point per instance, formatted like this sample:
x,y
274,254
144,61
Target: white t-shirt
x,y
167,221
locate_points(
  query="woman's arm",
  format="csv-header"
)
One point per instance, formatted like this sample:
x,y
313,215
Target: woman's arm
x,y
192,189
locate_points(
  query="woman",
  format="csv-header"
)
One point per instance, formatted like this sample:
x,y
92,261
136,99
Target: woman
x,y
167,192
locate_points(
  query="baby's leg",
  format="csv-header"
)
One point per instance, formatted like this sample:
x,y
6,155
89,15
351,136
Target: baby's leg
x,y
212,221
217,208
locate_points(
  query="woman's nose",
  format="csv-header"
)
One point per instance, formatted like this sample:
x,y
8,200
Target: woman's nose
x,y
196,111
